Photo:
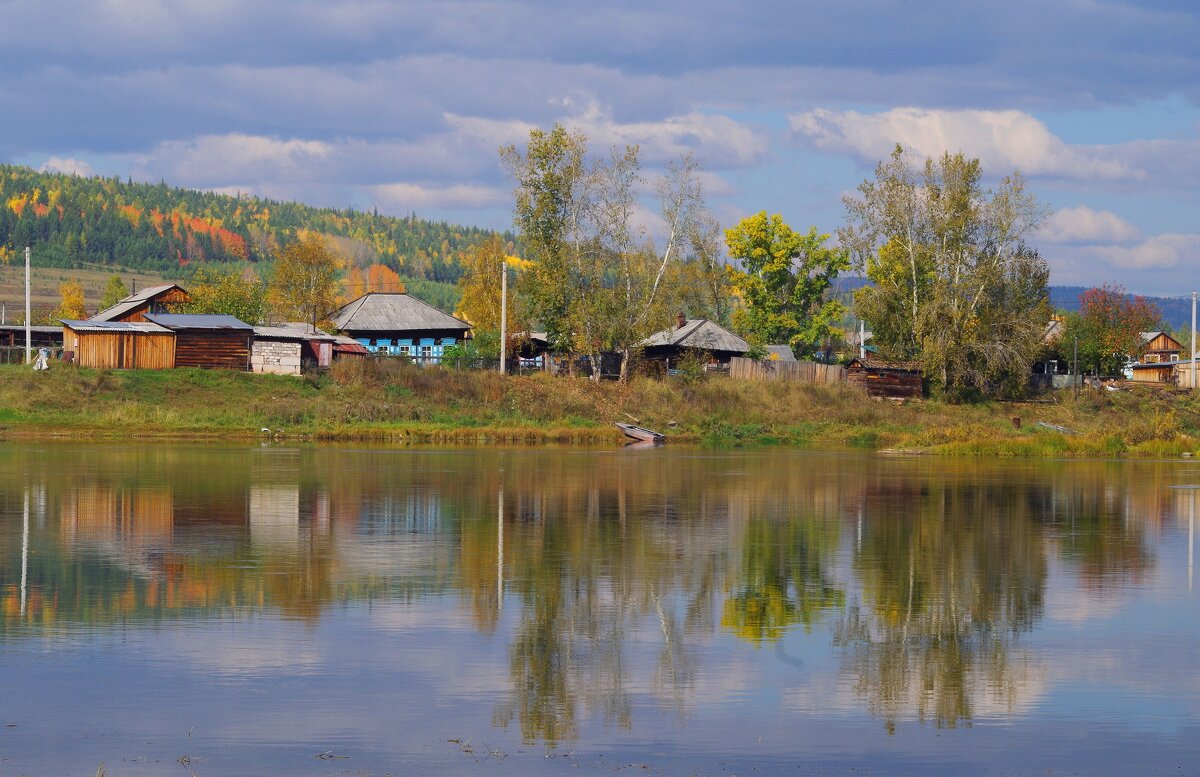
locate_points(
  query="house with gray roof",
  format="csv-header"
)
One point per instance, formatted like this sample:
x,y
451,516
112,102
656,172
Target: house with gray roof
x,y
696,335
152,299
399,325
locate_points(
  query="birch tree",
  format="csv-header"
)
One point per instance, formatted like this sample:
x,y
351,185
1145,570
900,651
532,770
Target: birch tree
x,y
954,284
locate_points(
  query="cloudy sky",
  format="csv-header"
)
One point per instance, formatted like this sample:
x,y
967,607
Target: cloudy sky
x,y
402,105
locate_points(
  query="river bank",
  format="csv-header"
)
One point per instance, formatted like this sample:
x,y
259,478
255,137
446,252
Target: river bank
x,y
398,402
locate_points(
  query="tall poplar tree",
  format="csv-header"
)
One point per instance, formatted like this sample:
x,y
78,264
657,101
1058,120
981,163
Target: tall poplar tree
x,y
953,283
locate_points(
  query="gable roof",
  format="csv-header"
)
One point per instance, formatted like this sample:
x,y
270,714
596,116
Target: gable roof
x,y
389,312
780,353
698,333
176,321
134,300
1149,337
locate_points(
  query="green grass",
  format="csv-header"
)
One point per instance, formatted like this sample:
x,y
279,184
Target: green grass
x,y
389,400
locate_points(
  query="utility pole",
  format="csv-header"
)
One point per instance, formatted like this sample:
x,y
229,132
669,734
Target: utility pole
x,y
862,334
28,331
503,315
1193,340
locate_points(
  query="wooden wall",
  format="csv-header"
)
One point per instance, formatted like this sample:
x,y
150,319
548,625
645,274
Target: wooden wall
x,y
222,348
121,350
161,304
795,372
880,382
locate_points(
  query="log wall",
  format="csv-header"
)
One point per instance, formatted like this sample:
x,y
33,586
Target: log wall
x,y
221,348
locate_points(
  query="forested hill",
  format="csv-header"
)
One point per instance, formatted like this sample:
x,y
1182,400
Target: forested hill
x,y
72,222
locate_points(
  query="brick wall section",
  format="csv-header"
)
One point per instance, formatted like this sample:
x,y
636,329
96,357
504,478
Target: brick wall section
x,y
278,358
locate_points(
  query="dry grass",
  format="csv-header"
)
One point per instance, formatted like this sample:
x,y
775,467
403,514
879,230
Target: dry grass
x,y
397,401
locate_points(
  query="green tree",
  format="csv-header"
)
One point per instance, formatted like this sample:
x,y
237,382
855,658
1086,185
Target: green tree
x,y
114,291
550,200
783,281
954,285
230,293
304,285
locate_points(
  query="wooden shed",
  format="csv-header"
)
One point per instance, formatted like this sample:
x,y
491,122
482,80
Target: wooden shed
x,y
150,300
223,342
884,378
119,344
696,336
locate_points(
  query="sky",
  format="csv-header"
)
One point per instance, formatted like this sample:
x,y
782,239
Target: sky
x,y
789,105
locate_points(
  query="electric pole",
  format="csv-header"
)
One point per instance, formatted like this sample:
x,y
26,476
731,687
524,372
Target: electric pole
x,y
28,331
503,315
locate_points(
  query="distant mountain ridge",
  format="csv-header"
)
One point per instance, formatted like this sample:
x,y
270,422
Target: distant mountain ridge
x,y
73,221
1176,311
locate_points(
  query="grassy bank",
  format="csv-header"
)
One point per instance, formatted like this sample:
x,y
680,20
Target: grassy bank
x,y
400,402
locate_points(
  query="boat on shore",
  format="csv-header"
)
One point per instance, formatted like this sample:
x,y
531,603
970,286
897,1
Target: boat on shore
x,y
641,434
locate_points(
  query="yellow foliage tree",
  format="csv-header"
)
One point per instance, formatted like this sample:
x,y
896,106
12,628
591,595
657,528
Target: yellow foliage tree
x,y
71,304
304,285
479,304
382,278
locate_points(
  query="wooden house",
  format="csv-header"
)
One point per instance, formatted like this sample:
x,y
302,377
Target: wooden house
x,y
694,336
217,341
150,300
1160,354
119,344
885,378
399,325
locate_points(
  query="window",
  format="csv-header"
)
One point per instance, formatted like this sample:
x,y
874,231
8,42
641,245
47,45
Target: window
x,y
426,351
405,350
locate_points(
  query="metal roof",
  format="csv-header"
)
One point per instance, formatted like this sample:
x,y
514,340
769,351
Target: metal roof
x,y
132,301
383,312
698,333
40,329
197,321
113,326
288,332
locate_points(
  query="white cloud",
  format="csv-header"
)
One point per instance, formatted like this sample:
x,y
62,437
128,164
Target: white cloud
x,y
1083,225
408,196
215,160
57,164
1002,140
1159,252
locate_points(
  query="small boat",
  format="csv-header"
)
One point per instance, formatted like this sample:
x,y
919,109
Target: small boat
x,y
641,434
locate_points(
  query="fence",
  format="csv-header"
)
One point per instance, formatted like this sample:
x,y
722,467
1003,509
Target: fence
x,y
795,372
13,354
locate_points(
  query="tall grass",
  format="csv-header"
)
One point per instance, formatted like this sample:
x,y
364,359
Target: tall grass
x,y
381,399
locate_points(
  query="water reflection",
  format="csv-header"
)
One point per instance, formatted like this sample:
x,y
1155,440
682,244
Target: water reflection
x,y
609,576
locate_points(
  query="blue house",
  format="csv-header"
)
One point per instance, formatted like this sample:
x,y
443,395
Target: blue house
x,y
399,325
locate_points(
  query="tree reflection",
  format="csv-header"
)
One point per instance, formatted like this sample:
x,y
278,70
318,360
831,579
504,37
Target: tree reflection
x,y
782,579
952,573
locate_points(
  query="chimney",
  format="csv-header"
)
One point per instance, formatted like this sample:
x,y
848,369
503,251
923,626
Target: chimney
x,y
680,320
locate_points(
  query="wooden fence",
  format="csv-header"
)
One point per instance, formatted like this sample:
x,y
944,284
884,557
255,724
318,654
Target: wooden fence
x,y
795,372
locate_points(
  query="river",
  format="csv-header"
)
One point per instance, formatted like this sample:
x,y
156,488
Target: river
x,y
273,609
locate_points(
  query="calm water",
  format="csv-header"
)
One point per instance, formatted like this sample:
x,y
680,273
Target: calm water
x,y
276,610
